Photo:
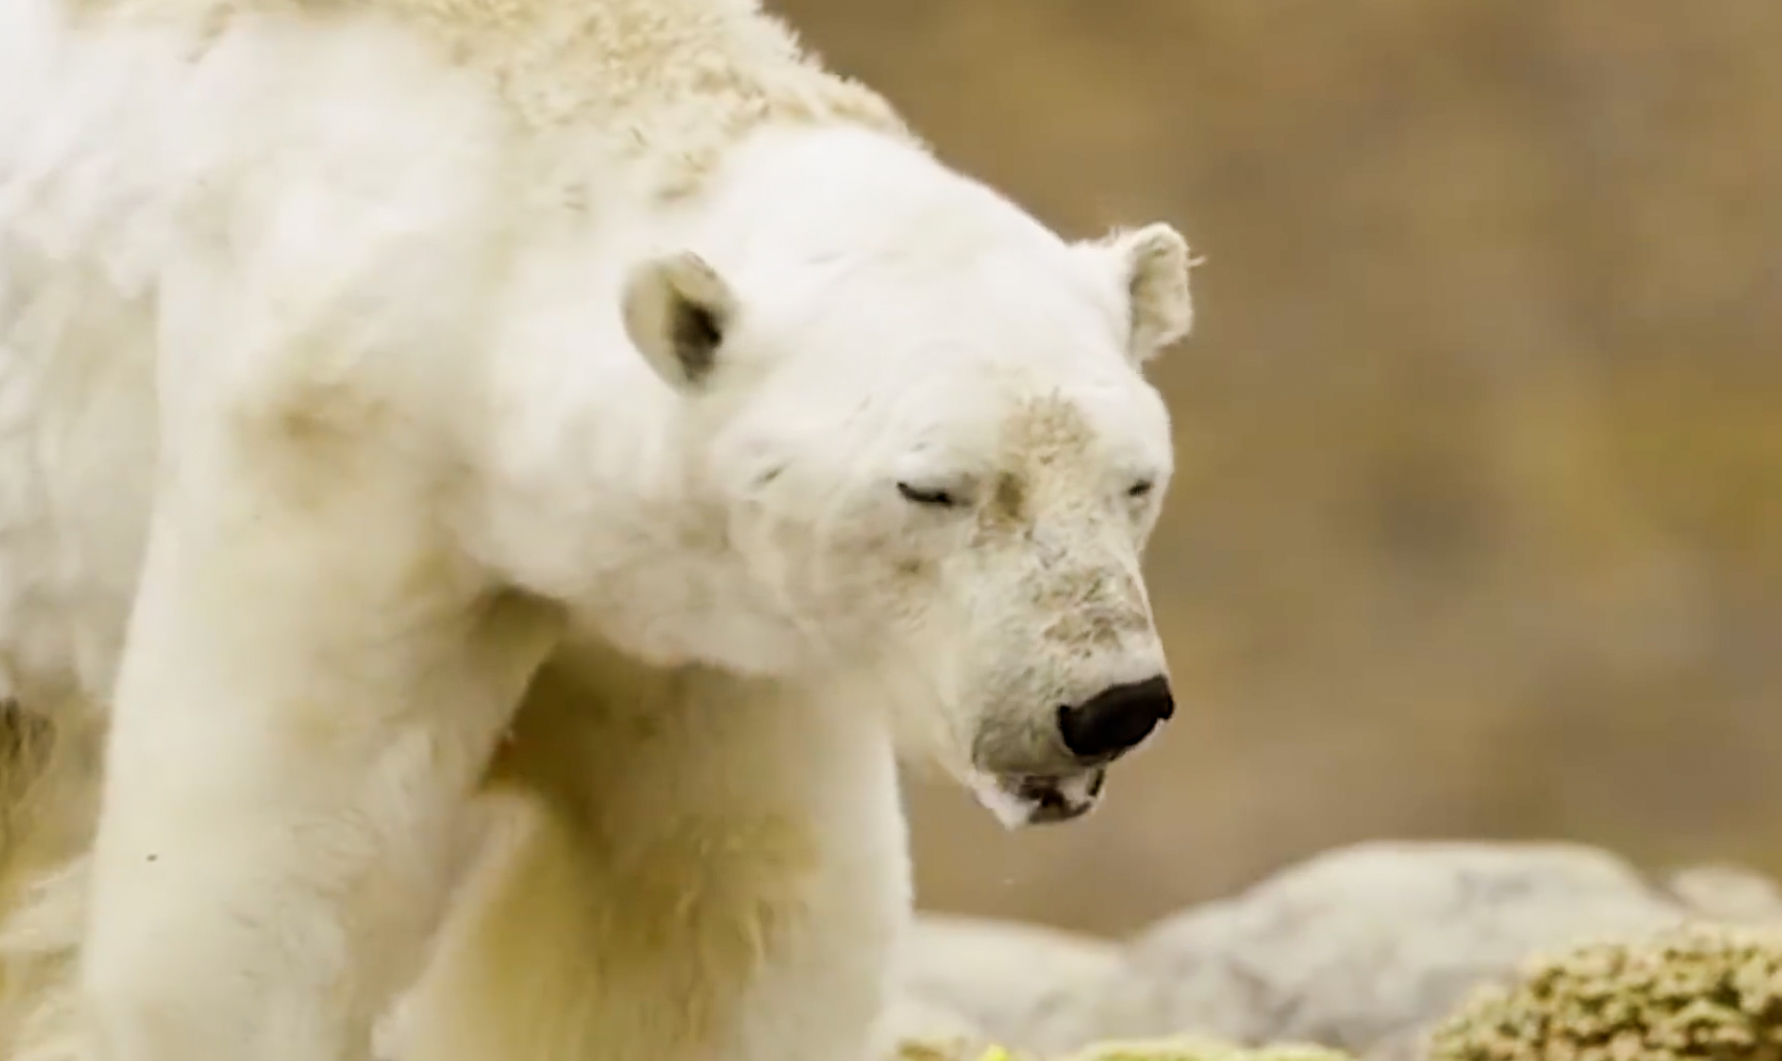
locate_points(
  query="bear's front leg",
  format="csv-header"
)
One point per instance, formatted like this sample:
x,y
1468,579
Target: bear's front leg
x,y
313,680
690,866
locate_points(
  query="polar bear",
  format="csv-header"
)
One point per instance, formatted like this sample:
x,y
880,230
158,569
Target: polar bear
x,y
410,398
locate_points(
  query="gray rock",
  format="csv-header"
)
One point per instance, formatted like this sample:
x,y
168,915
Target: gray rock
x,y
1722,892
909,1019
1362,947
999,981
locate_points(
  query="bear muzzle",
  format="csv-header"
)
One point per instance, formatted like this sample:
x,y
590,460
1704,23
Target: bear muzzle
x,y
1019,800
1066,780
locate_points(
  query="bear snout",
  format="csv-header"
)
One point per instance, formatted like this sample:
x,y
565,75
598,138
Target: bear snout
x,y
1115,720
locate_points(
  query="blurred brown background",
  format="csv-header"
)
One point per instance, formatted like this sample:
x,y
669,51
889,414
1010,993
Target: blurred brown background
x,y
1478,528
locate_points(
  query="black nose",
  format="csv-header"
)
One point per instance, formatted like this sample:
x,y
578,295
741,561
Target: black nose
x,y
1115,719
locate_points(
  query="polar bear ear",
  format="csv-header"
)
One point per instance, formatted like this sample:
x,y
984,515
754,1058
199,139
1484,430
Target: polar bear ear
x,y
677,310
1152,264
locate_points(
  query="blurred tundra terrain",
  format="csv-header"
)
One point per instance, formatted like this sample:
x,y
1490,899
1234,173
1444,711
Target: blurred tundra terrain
x,y
1478,525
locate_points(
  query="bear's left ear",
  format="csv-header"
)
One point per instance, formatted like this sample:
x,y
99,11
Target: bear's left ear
x,y
1152,266
677,311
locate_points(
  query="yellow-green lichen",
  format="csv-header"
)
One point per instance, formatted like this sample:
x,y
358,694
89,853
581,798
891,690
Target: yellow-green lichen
x,y
1205,1050
1170,1049
1695,993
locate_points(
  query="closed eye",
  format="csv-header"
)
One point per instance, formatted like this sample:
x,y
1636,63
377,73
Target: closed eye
x,y
935,498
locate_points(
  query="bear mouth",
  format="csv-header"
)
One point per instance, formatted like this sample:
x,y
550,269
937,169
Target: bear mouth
x,y
1020,800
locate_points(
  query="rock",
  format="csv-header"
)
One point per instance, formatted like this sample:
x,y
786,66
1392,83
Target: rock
x,y
913,1029
1362,947
1727,893
995,981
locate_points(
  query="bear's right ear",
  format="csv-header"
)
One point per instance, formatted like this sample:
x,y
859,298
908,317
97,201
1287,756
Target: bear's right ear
x,y
677,310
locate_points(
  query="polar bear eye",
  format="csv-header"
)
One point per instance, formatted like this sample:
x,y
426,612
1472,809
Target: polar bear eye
x,y
1140,489
935,498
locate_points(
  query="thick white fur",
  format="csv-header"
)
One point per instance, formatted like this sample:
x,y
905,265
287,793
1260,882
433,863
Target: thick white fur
x,y
341,390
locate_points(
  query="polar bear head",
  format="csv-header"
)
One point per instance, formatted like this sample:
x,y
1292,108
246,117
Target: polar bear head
x,y
934,448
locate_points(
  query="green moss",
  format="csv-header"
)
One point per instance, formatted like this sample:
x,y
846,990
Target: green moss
x,y
1696,992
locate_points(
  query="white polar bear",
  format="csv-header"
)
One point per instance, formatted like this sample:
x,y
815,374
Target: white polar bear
x,y
377,379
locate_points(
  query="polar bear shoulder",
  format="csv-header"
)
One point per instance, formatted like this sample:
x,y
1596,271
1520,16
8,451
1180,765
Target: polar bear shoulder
x,y
669,84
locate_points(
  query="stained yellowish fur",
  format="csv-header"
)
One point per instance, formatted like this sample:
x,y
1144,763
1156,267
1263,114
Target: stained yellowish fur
x,y
643,875
49,786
